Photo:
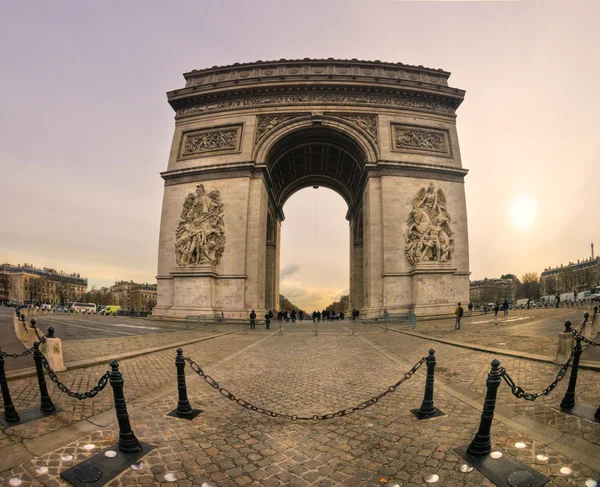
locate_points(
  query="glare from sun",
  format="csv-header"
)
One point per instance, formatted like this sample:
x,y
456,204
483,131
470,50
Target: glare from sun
x,y
523,211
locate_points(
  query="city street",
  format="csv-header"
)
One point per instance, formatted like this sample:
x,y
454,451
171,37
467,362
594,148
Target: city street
x,y
75,328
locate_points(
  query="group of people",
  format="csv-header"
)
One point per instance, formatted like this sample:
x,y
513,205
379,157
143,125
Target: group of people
x,y
299,315
497,307
459,311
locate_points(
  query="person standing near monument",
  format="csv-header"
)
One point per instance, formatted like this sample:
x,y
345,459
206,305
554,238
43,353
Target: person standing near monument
x,y
470,308
268,320
253,320
505,306
459,313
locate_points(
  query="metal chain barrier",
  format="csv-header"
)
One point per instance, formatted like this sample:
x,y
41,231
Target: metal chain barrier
x,y
584,339
520,393
17,355
294,417
102,382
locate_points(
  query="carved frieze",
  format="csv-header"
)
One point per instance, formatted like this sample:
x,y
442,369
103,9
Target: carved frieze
x,y
368,123
200,142
409,138
266,123
402,102
429,233
200,234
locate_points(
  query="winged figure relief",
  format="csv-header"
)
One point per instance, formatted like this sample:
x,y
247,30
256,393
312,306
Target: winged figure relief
x,y
429,231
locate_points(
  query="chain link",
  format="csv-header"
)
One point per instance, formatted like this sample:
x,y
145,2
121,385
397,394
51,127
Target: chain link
x,y
520,393
294,417
78,395
584,339
17,355
25,353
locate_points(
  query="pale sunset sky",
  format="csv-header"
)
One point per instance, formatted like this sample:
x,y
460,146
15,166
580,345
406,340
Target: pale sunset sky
x,y
85,127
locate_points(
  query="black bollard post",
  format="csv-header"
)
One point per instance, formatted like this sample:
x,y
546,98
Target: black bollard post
x,y
481,444
10,413
128,443
427,409
46,403
184,409
568,402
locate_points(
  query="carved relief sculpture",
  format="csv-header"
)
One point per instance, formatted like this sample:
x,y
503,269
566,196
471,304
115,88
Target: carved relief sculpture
x,y
310,98
265,123
200,235
226,139
368,123
421,140
429,234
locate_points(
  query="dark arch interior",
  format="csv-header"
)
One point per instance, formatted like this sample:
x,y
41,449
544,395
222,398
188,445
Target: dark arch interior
x,y
316,156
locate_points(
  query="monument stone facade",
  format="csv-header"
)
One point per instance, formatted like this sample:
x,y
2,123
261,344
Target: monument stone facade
x,y
248,136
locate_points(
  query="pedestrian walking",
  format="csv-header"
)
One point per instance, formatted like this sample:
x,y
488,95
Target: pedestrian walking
x,y
470,308
459,313
268,320
253,320
505,307
496,309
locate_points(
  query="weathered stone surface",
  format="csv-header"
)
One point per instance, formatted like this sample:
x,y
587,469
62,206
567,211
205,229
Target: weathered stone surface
x,y
257,148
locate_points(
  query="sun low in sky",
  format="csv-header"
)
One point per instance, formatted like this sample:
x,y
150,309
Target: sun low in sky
x,y
522,212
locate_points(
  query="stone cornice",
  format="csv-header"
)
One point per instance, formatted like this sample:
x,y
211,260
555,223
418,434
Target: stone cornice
x,y
322,94
334,76
279,72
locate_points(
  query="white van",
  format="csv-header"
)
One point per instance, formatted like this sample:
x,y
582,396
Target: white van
x,y
521,303
83,307
550,299
567,297
583,295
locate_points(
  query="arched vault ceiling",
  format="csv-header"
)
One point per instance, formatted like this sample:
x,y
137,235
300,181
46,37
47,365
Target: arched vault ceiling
x,y
316,156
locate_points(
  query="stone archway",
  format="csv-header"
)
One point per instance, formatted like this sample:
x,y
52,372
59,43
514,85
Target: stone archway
x,y
249,136
311,156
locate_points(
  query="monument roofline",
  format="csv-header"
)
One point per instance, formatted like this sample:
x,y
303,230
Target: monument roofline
x,y
369,76
322,61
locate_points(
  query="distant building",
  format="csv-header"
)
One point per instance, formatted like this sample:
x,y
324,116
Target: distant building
x,y
583,275
26,283
133,296
491,290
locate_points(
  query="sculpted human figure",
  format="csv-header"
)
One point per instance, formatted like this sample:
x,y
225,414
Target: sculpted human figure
x,y
429,232
200,235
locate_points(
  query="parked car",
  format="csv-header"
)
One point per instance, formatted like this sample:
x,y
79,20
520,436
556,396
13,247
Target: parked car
x,y
110,310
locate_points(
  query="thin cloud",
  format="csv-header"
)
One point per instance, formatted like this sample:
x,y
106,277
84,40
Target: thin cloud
x,y
289,270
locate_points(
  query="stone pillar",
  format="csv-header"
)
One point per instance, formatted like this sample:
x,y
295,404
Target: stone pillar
x,y
566,342
372,249
256,241
52,350
270,279
586,330
21,331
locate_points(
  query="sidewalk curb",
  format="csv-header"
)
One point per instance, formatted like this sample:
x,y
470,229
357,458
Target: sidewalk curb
x,y
584,364
79,364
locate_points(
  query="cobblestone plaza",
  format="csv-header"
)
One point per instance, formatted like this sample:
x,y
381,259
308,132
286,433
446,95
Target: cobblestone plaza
x,y
300,373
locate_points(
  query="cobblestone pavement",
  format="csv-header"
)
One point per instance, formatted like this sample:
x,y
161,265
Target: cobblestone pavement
x,y
518,331
468,369
305,374
142,375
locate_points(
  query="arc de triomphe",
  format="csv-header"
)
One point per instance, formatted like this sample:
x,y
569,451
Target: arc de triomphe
x,y
248,136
